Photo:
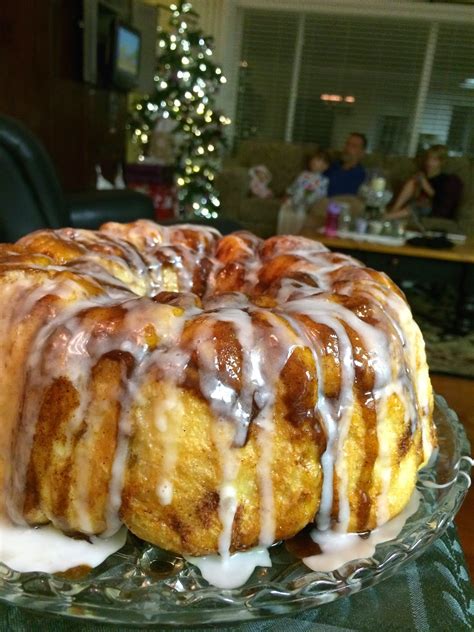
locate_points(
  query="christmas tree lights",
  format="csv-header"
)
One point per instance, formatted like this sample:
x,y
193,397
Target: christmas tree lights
x,y
186,83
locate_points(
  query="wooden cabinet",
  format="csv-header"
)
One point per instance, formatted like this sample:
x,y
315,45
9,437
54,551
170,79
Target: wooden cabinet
x,y
41,79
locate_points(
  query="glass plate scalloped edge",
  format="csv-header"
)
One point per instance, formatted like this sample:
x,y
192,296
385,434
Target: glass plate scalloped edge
x,y
143,585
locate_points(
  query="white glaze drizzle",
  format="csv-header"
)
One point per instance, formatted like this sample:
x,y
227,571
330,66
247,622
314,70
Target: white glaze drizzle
x,y
417,407
218,393
339,548
75,352
29,414
231,571
337,421
167,412
46,549
264,472
170,362
259,386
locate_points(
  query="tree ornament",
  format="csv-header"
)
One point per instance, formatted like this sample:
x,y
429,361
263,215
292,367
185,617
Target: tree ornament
x,y
186,83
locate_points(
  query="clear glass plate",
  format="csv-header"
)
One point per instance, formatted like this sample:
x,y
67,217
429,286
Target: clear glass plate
x,y
143,585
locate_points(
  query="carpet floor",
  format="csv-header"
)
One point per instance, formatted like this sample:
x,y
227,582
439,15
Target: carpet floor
x,y
433,310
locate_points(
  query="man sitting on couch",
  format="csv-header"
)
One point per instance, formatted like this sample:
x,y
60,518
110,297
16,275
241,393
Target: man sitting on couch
x,y
346,175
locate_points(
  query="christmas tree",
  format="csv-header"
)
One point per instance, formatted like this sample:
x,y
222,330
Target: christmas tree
x,y
186,83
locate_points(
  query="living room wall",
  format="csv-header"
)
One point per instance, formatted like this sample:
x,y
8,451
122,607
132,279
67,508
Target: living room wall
x,y
40,74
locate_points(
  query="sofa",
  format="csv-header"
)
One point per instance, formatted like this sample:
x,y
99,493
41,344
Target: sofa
x,y
286,160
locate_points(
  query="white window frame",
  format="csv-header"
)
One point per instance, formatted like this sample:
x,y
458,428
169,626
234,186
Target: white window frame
x,y
228,27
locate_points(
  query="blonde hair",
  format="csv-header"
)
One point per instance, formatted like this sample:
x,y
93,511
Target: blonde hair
x,y
439,151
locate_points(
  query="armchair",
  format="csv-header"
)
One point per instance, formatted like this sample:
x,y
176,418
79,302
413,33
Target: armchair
x,y
31,196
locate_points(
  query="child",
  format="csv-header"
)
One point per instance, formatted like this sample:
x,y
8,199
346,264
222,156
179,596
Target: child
x,y
309,187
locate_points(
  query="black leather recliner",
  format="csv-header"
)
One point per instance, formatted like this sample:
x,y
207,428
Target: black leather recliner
x,y
31,196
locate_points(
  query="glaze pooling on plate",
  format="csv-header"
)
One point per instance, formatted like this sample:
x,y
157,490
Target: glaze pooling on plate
x,y
146,586
339,548
303,370
231,571
47,549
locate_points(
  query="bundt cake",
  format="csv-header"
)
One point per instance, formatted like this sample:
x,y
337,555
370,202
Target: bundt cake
x,y
211,393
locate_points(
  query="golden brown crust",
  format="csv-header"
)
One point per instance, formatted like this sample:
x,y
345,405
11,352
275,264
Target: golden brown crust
x,y
156,369
190,523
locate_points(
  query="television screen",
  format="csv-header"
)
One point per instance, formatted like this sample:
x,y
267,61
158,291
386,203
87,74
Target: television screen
x,y
128,50
126,57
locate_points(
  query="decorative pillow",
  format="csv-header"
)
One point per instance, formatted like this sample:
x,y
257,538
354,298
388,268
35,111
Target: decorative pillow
x,y
260,178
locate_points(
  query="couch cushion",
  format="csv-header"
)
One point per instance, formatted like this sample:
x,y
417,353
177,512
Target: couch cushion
x,y
258,210
232,184
260,216
461,166
284,160
397,170
466,212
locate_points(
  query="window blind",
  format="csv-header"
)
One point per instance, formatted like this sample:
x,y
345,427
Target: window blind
x,y
266,66
311,77
448,116
376,63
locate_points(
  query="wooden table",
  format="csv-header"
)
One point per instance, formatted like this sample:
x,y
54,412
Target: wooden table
x,y
452,266
462,253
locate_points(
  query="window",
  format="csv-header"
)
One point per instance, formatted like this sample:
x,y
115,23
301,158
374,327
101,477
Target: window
x,y
392,134
448,116
265,73
338,58
461,130
312,77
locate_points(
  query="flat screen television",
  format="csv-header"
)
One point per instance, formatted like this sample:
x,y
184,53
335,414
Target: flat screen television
x,y
125,58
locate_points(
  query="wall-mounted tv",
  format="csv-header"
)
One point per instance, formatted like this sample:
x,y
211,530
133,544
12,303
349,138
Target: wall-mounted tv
x,y
111,47
125,58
